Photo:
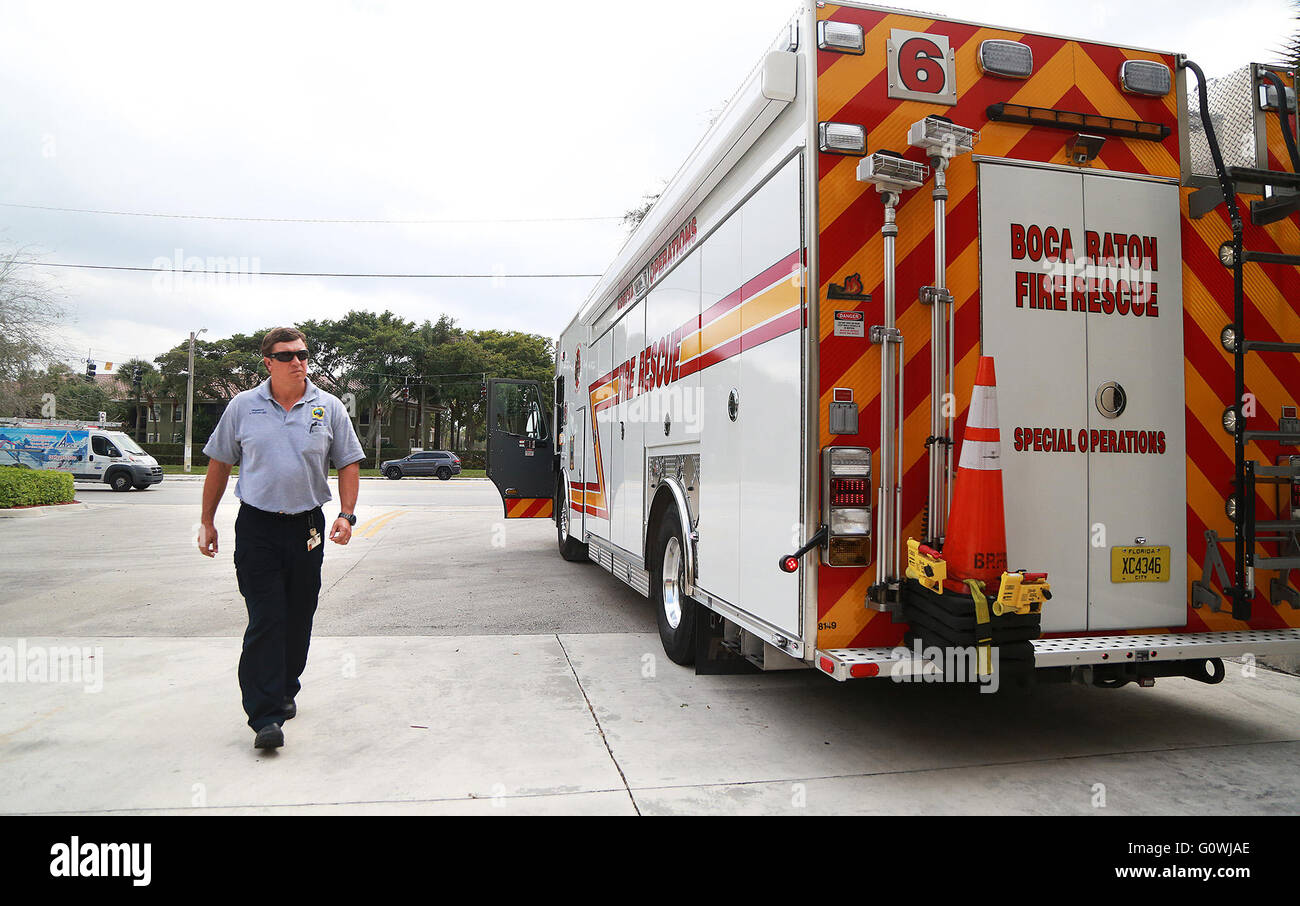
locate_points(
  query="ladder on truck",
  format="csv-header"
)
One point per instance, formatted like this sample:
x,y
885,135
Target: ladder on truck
x,y
1248,473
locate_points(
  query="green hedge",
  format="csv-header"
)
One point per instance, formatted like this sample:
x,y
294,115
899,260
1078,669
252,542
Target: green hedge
x,y
27,487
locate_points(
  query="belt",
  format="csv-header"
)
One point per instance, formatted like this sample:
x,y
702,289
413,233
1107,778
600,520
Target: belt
x,y
279,514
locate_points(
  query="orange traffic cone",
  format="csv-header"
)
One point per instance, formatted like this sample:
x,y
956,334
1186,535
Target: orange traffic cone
x,y
976,543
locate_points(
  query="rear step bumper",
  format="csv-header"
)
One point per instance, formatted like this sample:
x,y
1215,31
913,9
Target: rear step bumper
x,y
861,663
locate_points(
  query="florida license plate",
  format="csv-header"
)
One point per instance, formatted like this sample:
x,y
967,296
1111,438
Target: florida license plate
x,y
1139,564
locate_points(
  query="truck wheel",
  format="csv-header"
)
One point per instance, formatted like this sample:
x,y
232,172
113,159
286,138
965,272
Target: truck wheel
x,y
444,473
571,549
677,614
120,481
393,473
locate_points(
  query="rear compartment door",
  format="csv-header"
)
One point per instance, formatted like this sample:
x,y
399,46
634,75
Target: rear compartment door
x,y
520,458
1137,480
1041,361
1090,392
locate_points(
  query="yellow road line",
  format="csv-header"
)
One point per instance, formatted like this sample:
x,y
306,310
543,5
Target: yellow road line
x,y
370,527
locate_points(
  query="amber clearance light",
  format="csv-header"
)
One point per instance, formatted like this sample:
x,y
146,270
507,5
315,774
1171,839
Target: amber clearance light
x,y
1068,119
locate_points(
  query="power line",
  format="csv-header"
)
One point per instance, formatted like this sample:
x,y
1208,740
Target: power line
x,y
413,222
249,274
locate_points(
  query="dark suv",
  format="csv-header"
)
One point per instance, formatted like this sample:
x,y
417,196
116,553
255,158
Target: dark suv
x,y
439,463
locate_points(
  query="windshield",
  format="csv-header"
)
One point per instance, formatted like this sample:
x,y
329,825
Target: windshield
x,y
125,443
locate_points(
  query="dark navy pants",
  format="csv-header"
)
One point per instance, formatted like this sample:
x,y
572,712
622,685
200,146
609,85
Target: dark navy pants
x,y
280,580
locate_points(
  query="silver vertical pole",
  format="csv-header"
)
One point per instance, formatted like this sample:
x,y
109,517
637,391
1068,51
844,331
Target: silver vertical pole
x,y
940,345
886,565
189,401
189,405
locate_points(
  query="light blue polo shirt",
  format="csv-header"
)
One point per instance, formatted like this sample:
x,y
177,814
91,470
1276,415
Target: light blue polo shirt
x,y
284,457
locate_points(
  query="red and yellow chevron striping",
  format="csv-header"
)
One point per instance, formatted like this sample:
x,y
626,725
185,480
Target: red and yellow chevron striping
x,y
1069,75
529,508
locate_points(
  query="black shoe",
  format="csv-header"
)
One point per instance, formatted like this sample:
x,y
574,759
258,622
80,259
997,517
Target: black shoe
x,y
269,737
290,709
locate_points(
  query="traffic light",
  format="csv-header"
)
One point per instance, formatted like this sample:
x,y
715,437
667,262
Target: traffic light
x,y
482,394
137,376
90,369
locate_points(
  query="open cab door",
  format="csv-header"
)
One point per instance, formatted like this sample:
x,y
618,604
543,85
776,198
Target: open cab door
x,y
520,449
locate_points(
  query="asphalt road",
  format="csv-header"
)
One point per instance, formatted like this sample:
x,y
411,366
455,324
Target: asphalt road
x,y
487,675
428,557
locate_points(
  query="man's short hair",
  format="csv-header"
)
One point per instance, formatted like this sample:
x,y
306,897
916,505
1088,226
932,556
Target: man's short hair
x,y
281,335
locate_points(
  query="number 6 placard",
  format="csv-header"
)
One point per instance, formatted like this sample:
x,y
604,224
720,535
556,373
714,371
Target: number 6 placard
x,y
921,67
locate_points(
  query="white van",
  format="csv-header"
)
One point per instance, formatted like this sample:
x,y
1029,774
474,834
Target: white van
x,y
86,451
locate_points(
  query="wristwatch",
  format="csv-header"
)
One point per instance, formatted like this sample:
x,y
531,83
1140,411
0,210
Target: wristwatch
x,y
350,517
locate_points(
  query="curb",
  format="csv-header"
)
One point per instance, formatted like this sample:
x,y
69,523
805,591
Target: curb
x,y
34,511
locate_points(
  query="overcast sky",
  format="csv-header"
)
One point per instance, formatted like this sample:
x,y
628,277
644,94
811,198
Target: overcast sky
x,y
562,114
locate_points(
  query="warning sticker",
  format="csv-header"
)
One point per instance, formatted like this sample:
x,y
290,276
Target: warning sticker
x,y
850,324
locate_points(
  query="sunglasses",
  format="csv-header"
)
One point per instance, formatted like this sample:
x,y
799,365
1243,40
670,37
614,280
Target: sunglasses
x,y
299,354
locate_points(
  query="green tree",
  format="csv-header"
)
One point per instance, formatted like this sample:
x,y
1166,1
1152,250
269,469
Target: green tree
x,y
137,411
222,367
29,314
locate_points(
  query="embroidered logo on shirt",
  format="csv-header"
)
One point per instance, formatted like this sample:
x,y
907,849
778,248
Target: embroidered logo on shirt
x,y
261,411
318,414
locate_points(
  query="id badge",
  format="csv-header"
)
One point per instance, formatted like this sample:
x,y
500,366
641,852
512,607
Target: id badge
x,y
313,539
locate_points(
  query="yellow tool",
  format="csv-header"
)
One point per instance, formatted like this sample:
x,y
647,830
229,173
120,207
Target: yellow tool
x,y
926,565
1022,593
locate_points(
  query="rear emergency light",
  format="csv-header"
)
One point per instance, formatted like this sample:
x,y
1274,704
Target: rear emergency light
x,y
1145,77
846,505
1009,59
891,172
1268,97
841,37
842,138
938,135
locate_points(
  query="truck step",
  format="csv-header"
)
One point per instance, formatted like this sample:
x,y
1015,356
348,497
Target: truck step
x,y
1277,563
1265,177
1286,438
1277,525
1269,257
1276,474
1166,646
1268,346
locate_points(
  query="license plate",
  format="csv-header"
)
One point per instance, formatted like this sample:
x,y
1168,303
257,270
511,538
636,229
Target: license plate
x,y
1139,564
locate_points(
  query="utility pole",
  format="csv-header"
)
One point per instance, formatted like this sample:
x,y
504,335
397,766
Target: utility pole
x,y
189,401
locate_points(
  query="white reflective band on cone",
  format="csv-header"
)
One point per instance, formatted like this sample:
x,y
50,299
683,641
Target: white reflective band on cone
x,y
983,408
983,455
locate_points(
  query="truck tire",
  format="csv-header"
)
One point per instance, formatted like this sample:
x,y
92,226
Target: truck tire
x,y
119,481
677,615
444,473
571,549
393,473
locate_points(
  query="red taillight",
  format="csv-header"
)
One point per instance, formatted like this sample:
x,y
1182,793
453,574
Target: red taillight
x,y
790,564
850,491
863,670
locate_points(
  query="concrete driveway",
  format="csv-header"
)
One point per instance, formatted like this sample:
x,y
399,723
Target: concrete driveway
x,y
460,666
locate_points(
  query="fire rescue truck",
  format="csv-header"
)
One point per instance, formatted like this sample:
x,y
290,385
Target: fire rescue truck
x,y
760,407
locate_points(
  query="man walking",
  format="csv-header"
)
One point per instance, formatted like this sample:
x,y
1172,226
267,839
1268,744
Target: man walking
x,y
283,434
